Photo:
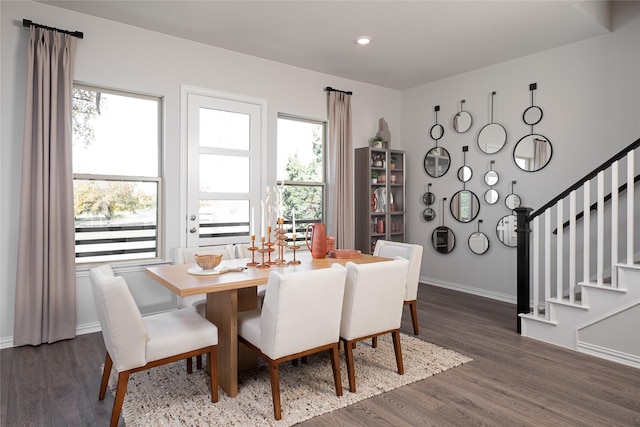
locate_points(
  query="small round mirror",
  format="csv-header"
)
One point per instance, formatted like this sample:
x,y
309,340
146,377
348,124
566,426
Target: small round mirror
x,y
462,121
506,230
436,131
464,206
532,115
428,214
443,239
532,152
428,198
437,162
512,201
478,243
492,138
465,173
491,196
491,178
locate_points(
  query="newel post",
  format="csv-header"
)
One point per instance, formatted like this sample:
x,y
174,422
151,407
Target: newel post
x,y
523,231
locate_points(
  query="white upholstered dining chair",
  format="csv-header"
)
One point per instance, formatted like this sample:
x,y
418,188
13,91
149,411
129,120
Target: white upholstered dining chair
x,y
412,253
372,307
300,316
135,343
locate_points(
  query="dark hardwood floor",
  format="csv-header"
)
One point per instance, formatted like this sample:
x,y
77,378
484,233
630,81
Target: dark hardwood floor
x,y
513,381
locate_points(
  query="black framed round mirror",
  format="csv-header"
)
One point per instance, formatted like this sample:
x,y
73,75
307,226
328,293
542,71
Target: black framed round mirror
x,y
491,196
428,214
491,178
478,243
532,152
428,198
464,206
532,115
506,230
436,132
512,201
437,162
465,173
443,239
492,138
462,121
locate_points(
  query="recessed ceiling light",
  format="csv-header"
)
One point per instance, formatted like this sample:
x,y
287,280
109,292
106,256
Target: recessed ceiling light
x,y
363,40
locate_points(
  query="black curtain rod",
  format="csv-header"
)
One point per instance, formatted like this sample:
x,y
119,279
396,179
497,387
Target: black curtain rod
x,y
29,23
330,89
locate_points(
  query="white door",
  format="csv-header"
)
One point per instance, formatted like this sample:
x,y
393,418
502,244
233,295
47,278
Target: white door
x,y
223,168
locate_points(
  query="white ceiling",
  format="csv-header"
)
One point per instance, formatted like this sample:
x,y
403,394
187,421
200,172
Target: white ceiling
x,y
414,42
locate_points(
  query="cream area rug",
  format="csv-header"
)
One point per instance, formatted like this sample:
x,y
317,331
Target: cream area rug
x,y
167,396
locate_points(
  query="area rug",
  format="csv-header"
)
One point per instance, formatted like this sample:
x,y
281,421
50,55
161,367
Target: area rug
x,y
167,396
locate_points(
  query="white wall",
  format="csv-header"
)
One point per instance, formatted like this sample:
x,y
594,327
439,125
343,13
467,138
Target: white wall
x,y
124,57
590,94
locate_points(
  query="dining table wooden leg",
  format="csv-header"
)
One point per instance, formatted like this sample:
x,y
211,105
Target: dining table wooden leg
x,y
222,310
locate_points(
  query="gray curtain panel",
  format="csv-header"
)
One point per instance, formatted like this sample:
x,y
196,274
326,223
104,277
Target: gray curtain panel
x,y
45,301
340,221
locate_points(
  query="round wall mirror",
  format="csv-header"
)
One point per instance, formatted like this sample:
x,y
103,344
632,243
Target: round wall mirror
x,y
532,115
478,243
443,239
436,131
506,230
492,138
465,173
462,121
464,206
512,201
437,162
533,152
428,198
428,214
491,196
491,178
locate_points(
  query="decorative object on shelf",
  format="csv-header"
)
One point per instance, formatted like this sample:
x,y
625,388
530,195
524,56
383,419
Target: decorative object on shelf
x,y
512,201
462,121
478,241
380,199
506,230
532,152
374,177
442,237
464,172
376,142
492,136
491,178
383,132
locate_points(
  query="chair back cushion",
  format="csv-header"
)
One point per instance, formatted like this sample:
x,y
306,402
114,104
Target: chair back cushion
x,y
186,255
408,251
123,330
242,250
373,298
301,311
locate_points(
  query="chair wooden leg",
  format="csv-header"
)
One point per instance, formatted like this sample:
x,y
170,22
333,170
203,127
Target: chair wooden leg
x,y
108,363
213,373
335,365
374,342
123,380
189,365
275,388
199,362
398,350
348,355
414,315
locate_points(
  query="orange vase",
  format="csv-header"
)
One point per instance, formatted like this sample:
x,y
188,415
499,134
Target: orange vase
x,y
318,246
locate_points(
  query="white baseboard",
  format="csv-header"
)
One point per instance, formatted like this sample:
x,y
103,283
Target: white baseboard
x,y
469,290
609,354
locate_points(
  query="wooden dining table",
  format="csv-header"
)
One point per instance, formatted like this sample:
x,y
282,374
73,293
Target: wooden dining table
x,y
230,293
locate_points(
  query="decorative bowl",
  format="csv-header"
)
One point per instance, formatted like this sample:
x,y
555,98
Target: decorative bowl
x,y
208,262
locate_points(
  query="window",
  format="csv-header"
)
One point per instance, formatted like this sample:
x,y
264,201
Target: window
x,y
301,165
117,183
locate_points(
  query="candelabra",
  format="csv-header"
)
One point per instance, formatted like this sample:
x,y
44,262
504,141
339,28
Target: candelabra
x,y
294,248
281,237
269,244
253,248
262,251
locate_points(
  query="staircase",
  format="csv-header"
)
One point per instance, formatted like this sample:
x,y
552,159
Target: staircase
x,y
578,286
